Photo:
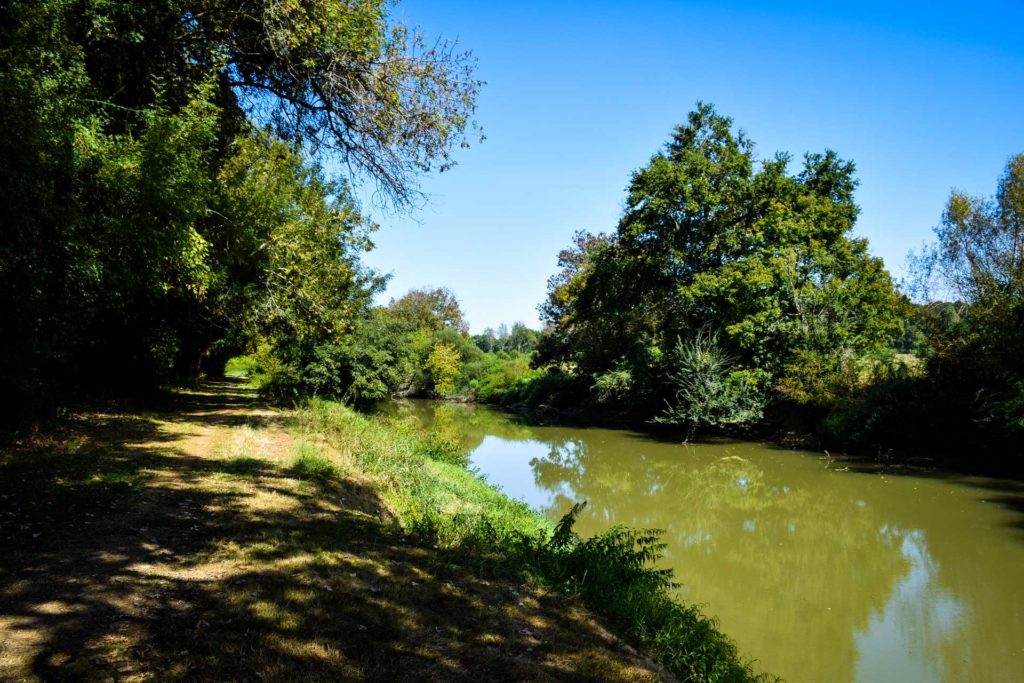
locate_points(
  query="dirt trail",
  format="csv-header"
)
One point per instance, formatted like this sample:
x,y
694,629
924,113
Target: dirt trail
x,y
181,545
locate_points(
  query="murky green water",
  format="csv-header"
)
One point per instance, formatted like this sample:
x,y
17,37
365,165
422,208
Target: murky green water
x,y
819,574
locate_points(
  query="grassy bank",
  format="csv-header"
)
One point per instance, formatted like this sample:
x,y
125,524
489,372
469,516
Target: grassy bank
x,y
218,539
433,495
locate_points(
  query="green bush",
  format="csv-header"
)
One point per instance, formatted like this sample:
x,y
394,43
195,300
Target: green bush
x,y
498,375
240,366
709,392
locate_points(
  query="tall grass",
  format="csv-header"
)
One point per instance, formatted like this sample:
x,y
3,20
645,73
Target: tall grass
x,y
434,495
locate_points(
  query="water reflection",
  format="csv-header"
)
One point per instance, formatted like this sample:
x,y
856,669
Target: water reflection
x,y
904,641
820,575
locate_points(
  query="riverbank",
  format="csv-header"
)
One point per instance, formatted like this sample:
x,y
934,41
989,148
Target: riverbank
x,y
220,539
788,427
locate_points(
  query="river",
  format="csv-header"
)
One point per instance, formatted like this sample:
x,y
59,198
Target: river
x,y
820,572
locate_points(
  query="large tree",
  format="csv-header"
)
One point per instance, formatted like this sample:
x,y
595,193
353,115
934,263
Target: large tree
x,y
976,366
713,240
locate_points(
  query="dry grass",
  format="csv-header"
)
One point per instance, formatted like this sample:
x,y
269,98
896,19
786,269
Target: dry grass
x,y
190,544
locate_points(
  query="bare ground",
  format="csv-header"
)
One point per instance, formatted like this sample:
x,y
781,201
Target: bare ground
x,y
180,545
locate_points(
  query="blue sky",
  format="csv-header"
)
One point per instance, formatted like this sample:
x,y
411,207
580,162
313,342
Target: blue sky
x,y
924,97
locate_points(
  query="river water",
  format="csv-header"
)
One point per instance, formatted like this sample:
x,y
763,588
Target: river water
x,y
818,571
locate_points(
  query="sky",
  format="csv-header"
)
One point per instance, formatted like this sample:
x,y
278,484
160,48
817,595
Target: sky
x,y
923,97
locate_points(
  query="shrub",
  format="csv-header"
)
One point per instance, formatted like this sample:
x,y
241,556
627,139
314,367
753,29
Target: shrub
x,y
240,366
708,391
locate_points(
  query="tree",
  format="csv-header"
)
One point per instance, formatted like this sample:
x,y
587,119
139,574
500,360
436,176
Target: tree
x,y
443,364
431,310
486,341
344,78
570,335
136,248
521,339
979,256
977,348
709,241
306,289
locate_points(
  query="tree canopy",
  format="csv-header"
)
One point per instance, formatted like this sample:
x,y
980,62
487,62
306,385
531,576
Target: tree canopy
x,y
164,198
713,239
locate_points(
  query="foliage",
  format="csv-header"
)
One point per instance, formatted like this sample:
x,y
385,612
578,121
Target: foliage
x,y
496,375
432,310
162,196
979,253
240,366
975,346
708,240
374,359
422,347
443,365
520,339
708,392
961,393
309,236
614,385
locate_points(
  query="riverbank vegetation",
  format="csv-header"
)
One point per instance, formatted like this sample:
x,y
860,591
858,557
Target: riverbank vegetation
x,y
733,296
736,300
425,481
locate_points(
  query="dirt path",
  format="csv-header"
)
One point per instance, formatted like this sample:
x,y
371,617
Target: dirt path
x,y
181,545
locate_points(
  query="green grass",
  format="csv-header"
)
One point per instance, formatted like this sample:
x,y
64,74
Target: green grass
x,y
439,499
240,366
432,495
309,464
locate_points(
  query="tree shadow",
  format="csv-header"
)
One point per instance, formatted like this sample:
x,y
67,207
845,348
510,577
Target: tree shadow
x,y
128,558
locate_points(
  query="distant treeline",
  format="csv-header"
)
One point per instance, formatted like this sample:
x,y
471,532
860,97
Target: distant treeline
x,y
417,345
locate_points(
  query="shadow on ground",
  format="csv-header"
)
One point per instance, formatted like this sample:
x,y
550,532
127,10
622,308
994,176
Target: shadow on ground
x,y
128,555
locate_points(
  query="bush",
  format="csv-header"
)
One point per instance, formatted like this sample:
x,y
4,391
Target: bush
x,y
499,375
708,391
240,366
